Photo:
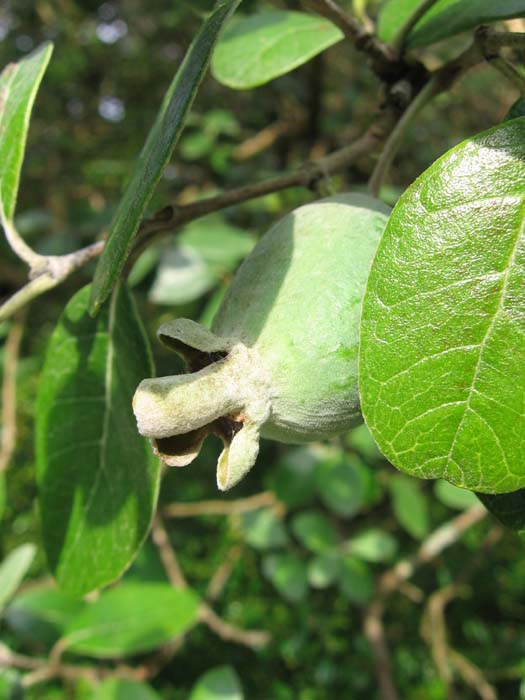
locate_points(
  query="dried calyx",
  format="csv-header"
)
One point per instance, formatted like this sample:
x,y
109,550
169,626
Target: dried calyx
x,y
281,359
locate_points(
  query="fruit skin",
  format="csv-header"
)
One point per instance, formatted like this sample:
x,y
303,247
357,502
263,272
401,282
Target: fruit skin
x,y
281,359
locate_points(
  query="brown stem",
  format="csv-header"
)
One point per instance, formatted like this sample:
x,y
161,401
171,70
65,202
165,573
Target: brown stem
x,y
266,499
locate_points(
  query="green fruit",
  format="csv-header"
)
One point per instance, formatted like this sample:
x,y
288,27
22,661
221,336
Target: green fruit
x,y
281,359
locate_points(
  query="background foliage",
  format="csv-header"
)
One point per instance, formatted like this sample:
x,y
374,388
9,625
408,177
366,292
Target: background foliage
x,y
304,560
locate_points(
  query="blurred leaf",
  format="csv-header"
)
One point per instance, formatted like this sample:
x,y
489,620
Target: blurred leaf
x,y
182,276
410,505
263,530
144,265
355,580
98,478
454,497
458,286
361,440
221,683
258,48
3,494
444,19
294,479
288,573
10,687
508,508
517,109
19,83
341,483
324,569
131,619
13,569
124,689
213,305
156,153
373,545
220,244
314,531
40,615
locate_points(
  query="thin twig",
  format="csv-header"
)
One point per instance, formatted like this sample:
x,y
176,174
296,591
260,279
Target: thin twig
x,y
255,639
11,353
396,137
167,554
508,71
384,59
223,572
266,499
399,40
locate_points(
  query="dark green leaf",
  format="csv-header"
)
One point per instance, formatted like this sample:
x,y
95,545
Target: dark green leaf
x,y
40,615
98,478
355,580
261,47
156,153
221,683
445,19
131,619
262,529
442,359
343,484
454,497
19,83
314,531
373,545
124,689
517,109
13,569
508,508
410,506
294,480
288,573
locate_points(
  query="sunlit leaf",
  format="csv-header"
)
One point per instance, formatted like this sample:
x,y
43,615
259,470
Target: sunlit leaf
x,y
13,569
221,683
442,358
263,46
98,477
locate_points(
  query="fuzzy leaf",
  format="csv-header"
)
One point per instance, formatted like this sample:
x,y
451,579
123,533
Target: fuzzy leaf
x,y
97,476
442,359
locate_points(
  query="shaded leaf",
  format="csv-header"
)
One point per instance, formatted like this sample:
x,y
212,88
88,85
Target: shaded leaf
x,y
40,615
314,531
263,46
13,569
324,569
355,580
221,683
343,484
410,506
19,83
294,479
156,153
373,545
508,508
445,19
124,689
98,478
262,529
442,358
454,497
131,619
288,573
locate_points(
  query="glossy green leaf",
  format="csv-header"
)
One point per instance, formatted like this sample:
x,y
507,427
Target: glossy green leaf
x,y
40,615
263,46
355,580
156,153
131,619
97,476
508,508
442,358
454,497
445,19
13,569
221,683
288,573
19,83
410,506
373,545
314,531
124,689
262,529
